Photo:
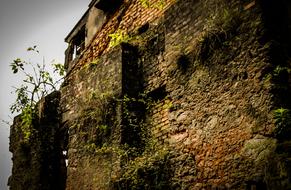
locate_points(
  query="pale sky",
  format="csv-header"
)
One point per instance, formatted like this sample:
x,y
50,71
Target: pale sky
x,y
25,23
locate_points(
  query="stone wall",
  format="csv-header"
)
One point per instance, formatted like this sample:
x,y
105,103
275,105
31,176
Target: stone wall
x,y
213,92
219,105
91,115
38,161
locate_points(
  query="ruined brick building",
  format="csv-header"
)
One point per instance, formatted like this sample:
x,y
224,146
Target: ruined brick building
x,y
167,94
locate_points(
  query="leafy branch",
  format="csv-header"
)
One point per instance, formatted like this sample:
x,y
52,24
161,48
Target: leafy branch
x,y
37,83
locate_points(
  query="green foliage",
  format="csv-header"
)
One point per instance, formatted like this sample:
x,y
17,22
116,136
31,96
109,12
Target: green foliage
x,y
277,79
118,37
26,124
95,62
133,110
226,19
103,127
96,125
59,68
159,4
37,83
145,3
92,63
96,122
280,70
91,147
149,171
268,77
219,29
282,118
168,105
34,48
22,99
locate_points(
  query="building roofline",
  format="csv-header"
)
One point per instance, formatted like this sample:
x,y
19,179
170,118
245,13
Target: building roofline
x,y
69,36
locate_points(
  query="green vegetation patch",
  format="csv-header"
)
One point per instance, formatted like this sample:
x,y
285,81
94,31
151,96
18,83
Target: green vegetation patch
x,y
282,118
150,171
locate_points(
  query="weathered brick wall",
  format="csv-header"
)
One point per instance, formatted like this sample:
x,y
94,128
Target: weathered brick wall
x,y
187,103
204,69
130,16
158,120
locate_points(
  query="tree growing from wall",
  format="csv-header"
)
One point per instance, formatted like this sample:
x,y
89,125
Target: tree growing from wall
x,y
36,84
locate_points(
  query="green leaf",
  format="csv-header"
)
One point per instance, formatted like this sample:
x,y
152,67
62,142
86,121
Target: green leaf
x,y
15,70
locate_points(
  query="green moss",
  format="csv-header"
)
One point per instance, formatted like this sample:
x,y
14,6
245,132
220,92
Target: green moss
x,y
160,4
168,105
220,27
118,37
95,124
149,171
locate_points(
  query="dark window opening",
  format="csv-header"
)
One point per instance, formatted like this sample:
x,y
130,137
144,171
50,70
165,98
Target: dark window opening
x,y
76,47
143,28
79,42
158,94
183,63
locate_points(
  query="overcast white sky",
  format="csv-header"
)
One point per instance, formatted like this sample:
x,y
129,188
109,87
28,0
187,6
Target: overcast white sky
x,y
25,23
